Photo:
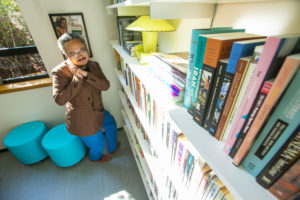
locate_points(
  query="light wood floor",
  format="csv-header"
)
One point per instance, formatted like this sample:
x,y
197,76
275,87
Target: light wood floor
x,y
117,179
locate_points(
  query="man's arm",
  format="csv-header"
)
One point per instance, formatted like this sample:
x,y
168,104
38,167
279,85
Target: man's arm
x,y
63,89
99,82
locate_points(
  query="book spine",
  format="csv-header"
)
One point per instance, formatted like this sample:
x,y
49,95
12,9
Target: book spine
x,y
282,80
218,124
197,73
281,162
237,101
203,93
190,73
214,97
289,184
253,112
263,65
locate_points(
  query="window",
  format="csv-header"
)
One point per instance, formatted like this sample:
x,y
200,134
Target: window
x,y
19,58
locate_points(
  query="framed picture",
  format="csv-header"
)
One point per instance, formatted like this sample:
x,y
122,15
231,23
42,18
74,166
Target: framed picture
x,y
125,35
71,23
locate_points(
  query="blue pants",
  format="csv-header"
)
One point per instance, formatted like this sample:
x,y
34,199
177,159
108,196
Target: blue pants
x,y
96,142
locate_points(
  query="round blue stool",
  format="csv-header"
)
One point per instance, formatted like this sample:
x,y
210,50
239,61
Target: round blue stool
x,y
63,148
24,142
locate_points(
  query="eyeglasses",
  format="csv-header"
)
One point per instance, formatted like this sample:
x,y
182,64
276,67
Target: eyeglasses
x,y
81,52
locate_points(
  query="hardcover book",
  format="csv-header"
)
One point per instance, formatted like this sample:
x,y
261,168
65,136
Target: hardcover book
x,y
271,59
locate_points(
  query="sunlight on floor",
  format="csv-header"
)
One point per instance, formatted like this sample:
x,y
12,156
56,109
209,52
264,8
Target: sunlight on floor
x,y
122,195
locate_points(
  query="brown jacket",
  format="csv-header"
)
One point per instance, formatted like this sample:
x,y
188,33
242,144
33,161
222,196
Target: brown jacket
x,y
82,96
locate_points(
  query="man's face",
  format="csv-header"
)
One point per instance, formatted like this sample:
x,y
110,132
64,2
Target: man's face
x,y
77,52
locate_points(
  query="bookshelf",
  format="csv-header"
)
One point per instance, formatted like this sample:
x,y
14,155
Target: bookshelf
x,y
159,9
153,137
241,184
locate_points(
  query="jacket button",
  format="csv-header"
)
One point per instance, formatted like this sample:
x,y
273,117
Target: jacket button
x,y
88,98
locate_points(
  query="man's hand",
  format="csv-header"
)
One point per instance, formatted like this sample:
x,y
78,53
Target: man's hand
x,y
82,72
75,70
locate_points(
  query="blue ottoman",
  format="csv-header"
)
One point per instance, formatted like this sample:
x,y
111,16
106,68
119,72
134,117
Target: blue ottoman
x,y
24,142
63,148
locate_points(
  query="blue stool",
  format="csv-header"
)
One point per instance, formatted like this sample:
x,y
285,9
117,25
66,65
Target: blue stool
x,y
63,148
24,142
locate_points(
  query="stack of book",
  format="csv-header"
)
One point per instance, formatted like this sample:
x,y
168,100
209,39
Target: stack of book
x,y
244,90
170,70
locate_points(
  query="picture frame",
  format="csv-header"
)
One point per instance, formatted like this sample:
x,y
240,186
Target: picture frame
x,y
72,23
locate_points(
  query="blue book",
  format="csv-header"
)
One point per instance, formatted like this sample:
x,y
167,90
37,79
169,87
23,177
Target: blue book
x,y
281,124
194,60
239,49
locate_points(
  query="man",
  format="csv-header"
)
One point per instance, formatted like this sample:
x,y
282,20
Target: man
x,y
78,83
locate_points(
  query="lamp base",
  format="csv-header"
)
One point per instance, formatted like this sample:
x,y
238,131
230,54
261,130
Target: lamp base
x,y
149,41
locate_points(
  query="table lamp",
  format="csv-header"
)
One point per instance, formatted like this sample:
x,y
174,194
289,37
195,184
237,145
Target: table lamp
x,y
150,28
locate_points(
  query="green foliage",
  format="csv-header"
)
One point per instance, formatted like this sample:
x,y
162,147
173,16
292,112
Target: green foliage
x,y
13,30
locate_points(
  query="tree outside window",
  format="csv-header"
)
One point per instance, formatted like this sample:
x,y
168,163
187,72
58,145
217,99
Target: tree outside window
x,y
19,58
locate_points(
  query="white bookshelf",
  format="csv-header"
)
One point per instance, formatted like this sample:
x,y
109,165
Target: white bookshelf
x,y
142,72
145,179
152,163
149,2
164,158
240,183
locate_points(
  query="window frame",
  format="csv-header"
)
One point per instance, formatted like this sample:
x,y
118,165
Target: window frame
x,y
22,50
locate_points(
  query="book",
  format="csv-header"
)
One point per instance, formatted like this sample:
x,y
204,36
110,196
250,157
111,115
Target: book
x,y
289,184
252,114
264,141
220,118
205,171
271,59
221,193
241,93
216,88
210,185
218,185
287,155
195,66
216,49
176,60
219,95
200,169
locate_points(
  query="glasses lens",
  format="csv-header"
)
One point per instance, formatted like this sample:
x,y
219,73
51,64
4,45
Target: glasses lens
x,y
76,54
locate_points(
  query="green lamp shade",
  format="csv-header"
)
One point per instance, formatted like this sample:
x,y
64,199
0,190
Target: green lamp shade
x,y
149,28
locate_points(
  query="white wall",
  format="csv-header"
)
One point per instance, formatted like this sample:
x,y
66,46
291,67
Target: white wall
x,y
37,104
265,18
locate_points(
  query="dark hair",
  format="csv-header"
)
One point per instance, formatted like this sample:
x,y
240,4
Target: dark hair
x,y
59,20
66,37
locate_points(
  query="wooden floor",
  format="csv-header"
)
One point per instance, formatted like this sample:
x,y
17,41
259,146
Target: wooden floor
x,y
117,179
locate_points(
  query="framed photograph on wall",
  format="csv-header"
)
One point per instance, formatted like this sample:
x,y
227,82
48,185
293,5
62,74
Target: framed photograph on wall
x,y
71,23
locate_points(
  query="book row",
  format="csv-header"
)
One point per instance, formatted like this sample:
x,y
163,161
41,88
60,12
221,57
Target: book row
x,y
191,171
243,89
